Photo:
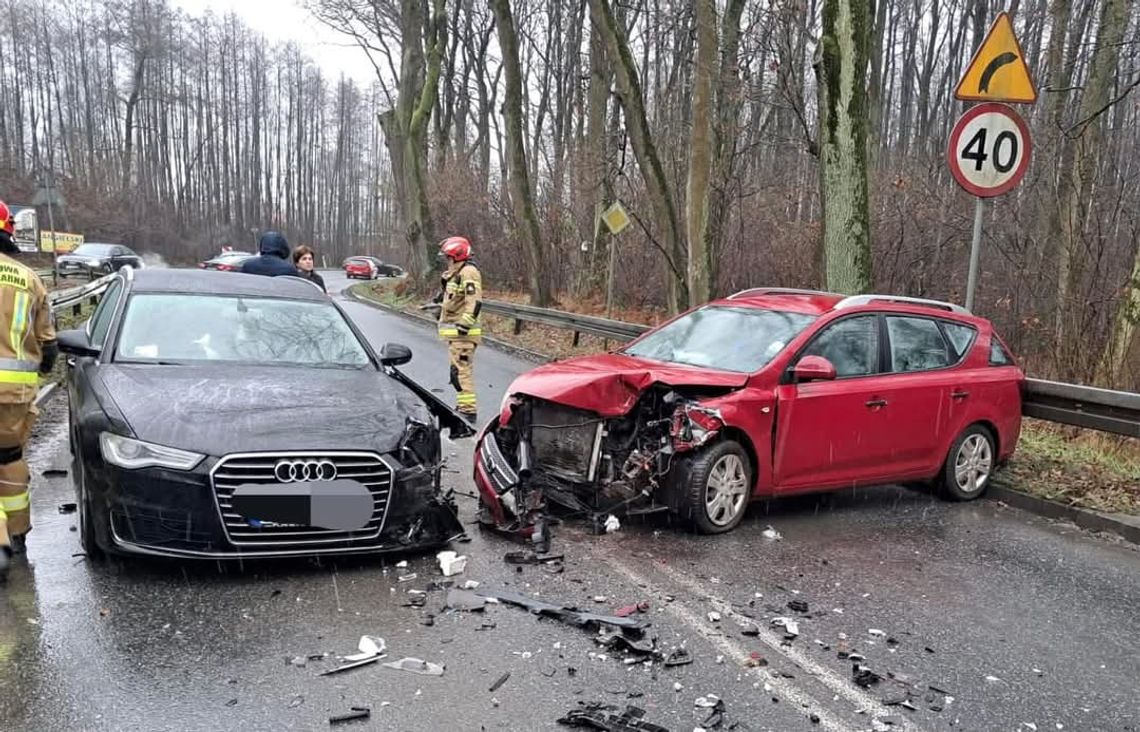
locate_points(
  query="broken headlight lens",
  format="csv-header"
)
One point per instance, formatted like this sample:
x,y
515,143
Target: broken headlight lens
x,y
420,444
132,454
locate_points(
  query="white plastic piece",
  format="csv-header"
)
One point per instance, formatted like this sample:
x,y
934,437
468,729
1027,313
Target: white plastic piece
x,y
451,563
612,524
370,646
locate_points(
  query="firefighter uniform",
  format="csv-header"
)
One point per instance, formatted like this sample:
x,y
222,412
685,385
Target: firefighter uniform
x,y
459,325
25,315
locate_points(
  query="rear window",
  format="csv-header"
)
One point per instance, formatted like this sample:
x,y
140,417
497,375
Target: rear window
x,y
998,355
961,337
724,338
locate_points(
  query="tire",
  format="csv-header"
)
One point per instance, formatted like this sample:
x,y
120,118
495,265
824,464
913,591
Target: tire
x,y
716,487
88,520
969,465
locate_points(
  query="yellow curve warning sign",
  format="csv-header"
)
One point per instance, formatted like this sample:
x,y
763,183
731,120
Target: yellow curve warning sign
x,y
998,72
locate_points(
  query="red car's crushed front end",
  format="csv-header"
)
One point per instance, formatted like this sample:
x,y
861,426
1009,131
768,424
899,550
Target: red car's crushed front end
x,y
593,437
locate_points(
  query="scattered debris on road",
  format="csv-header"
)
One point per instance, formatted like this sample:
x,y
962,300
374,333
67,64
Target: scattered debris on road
x,y
416,666
564,613
68,507
791,627
451,563
864,676
465,600
612,524
626,611
355,713
54,473
371,650
798,606
596,715
500,681
771,534
679,657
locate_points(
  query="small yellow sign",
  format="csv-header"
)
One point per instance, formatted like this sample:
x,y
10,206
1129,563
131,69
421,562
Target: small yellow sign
x,y
998,72
64,242
616,218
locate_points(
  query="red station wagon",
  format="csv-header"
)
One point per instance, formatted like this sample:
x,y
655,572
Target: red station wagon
x,y
769,392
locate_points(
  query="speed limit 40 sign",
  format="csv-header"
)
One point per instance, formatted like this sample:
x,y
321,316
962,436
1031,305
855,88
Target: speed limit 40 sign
x,y
989,150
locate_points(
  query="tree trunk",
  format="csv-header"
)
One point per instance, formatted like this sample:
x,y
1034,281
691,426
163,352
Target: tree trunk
x,y
843,146
598,181
701,152
521,196
644,148
1077,183
727,101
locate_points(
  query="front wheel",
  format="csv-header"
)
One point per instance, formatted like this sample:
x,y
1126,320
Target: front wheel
x,y
969,465
716,488
88,519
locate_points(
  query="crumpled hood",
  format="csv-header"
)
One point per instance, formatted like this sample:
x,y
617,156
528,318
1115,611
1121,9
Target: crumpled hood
x,y
220,409
610,383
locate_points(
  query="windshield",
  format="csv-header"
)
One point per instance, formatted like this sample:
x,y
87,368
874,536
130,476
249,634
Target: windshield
x,y
176,328
94,250
725,338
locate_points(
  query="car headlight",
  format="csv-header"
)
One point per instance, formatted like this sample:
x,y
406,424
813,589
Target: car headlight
x,y
132,454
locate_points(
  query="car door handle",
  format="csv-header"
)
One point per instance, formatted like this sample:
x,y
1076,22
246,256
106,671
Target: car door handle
x,y
875,403
959,395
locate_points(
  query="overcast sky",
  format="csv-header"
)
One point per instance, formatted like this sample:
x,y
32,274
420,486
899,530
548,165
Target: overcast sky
x,y
286,20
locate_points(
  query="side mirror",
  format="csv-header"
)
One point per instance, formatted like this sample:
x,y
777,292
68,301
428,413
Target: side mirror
x,y
395,354
76,343
813,368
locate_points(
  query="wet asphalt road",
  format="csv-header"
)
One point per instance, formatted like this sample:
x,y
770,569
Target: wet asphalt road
x,y
1021,621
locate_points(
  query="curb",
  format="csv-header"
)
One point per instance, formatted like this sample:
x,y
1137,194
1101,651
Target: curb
x,y
424,320
45,394
1082,517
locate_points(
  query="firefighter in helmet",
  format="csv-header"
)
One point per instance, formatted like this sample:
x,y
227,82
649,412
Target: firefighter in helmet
x,y
460,301
29,352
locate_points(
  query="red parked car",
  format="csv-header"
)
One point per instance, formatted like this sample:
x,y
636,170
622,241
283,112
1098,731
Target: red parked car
x,y
359,267
769,392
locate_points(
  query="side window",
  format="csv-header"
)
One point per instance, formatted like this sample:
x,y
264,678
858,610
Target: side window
x,y
961,337
916,345
852,345
100,322
998,356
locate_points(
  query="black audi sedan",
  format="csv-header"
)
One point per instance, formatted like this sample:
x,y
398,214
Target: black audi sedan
x,y
227,415
95,260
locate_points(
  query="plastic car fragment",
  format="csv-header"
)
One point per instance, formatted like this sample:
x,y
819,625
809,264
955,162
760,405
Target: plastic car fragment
x,y
416,666
606,717
564,613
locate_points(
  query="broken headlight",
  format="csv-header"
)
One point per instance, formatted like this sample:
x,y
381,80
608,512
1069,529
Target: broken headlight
x,y
420,443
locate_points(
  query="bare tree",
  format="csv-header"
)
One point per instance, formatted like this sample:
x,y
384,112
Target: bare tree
x,y
843,146
521,195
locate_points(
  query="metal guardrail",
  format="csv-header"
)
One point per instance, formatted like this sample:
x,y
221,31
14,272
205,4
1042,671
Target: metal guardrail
x,y
1116,412
73,297
602,327
1105,410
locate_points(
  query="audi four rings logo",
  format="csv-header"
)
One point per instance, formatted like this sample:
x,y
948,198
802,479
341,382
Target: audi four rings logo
x,y
304,471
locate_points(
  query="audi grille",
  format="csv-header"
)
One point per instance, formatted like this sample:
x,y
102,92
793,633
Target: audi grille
x,y
262,468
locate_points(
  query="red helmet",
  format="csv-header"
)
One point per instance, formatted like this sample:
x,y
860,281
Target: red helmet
x,y
456,247
7,223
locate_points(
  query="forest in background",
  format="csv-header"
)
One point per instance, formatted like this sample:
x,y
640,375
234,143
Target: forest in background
x,y
513,123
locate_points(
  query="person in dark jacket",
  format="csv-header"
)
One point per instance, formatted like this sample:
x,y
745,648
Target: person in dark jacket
x,y
304,260
274,259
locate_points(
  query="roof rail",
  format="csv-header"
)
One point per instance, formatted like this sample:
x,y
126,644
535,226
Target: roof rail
x,y
857,300
756,291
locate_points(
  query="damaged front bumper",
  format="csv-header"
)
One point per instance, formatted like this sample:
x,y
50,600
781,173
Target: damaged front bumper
x,y
170,513
538,454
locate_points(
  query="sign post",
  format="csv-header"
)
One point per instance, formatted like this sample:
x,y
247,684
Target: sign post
x,y
616,220
990,146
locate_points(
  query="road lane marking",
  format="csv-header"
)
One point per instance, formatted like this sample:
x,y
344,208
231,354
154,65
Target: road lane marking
x,y
834,682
